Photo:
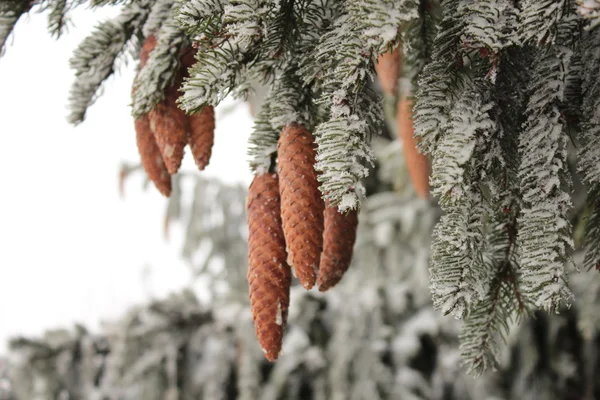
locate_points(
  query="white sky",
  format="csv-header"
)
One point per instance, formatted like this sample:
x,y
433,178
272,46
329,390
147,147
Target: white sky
x,y
71,250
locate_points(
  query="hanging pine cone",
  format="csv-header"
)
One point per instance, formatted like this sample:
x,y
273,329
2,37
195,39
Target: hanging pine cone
x,y
301,203
201,135
152,160
388,70
269,275
416,163
150,155
338,242
170,126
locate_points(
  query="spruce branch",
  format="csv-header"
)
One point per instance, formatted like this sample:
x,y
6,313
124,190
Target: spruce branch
x,y
162,67
457,270
262,144
201,19
589,151
217,72
540,20
381,21
10,12
454,166
545,233
417,40
161,11
490,318
97,57
440,82
355,114
58,18
228,60
490,24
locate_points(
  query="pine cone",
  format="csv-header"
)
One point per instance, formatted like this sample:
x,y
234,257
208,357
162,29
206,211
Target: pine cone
x,y
417,163
388,70
338,243
151,158
301,203
201,135
170,126
269,275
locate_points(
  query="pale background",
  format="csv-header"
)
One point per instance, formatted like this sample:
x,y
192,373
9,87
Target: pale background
x,y
71,250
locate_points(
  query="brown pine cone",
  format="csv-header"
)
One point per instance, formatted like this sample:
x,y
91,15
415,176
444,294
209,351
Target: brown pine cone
x,y
301,203
201,135
338,243
416,163
149,45
151,158
269,275
388,70
170,126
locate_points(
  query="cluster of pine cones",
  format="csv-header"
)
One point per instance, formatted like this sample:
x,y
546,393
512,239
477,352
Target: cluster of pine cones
x,y
291,229
163,133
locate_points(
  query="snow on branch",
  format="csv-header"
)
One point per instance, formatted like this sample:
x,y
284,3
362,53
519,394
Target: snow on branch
x,y
545,236
589,151
10,12
97,56
162,67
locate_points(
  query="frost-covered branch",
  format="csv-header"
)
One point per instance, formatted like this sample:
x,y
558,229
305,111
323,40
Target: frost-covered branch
x,y
97,57
545,236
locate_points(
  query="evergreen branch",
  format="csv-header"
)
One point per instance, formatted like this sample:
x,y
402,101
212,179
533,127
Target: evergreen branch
x,y
317,20
355,112
459,278
453,161
96,57
440,82
291,101
343,145
592,229
216,73
381,21
540,20
262,144
201,19
245,22
160,12
545,234
230,56
418,40
162,67
589,152
58,17
490,24
457,270
10,12
490,318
